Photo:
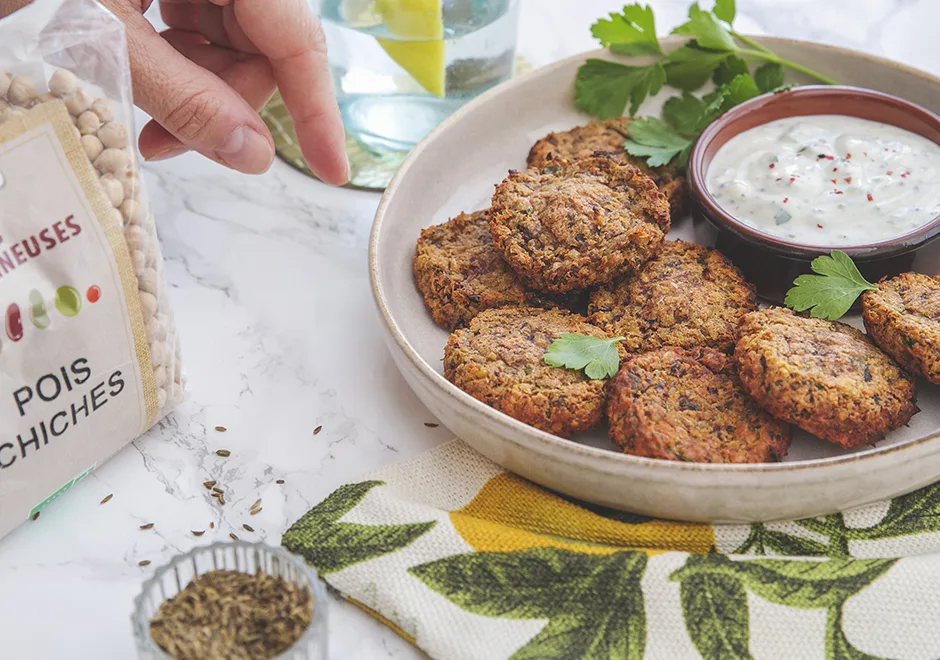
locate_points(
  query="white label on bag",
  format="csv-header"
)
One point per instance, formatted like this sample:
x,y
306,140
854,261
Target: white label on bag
x,y
70,385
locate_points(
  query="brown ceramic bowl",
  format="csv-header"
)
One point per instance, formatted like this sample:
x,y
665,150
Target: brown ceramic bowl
x,y
772,263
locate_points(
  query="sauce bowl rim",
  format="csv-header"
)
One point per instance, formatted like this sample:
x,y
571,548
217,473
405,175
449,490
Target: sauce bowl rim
x,y
698,169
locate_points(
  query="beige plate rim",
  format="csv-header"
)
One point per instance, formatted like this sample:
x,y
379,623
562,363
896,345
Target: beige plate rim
x,y
540,440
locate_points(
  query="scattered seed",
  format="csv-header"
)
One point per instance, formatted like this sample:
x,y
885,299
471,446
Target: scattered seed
x,y
221,429
147,526
221,498
212,525
256,504
195,533
36,515
318,429
216,489
279,481
208,484
431,425
248,528
254,511
234,538
107,498
215,495
145,562
223,452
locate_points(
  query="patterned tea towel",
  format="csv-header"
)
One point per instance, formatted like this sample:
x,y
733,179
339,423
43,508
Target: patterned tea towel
x,y
468,561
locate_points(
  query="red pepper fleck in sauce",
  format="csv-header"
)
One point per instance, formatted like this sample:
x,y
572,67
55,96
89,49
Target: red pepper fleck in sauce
x,y
831,157
833,180
904,175
847,156
838,192
786,199
792,179
870,198
889,172
847,179
771,166
819,225
835,169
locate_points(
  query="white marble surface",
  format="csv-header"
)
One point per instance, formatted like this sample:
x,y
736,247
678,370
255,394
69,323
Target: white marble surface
x,y
272,298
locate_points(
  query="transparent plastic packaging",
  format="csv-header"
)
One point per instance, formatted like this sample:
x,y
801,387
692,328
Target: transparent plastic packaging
x,y
58,59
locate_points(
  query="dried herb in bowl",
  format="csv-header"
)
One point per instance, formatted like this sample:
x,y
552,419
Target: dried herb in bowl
x,y
230,615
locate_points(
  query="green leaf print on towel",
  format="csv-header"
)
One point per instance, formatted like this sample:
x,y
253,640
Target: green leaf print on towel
x,y
714,602
330,546
716,615
593,603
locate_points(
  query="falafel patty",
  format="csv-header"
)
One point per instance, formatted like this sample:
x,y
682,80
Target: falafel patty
x,y
575,225
903,318
688,405
606,136
825,377
499,359
459,272
687,295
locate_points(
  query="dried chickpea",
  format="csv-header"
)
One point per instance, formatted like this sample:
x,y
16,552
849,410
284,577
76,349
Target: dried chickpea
x,y
89,124
62,83
22,91
112,161
113,135
113,189
77,102
132,211
104,110
93,146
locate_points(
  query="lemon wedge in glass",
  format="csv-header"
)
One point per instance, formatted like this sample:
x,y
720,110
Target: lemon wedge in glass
x,y
419,49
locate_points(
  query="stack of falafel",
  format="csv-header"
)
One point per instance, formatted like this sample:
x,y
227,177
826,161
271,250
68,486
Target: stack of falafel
x,y
576,244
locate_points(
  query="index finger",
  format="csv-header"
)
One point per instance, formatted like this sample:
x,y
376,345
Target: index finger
x,y
291,37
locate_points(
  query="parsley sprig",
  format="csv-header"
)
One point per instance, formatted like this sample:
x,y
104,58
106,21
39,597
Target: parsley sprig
x,y
832,291
714,52
597,356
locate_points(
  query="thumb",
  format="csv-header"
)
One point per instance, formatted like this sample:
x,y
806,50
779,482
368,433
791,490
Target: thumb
x,y
193,104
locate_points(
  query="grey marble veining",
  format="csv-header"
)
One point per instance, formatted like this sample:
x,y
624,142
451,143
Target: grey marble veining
x,y
271,293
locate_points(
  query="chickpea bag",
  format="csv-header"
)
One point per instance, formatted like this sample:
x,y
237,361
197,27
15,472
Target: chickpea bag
x,y
89,354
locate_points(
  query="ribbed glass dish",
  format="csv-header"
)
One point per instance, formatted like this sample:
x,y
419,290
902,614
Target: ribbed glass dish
x,y
167,581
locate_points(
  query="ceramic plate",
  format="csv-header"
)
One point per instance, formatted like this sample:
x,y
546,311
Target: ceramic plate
x,y
454,169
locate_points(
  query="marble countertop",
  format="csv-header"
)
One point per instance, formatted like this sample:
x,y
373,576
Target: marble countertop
x,y
272,299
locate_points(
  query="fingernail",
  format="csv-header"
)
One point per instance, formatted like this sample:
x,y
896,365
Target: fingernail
x,y
246,151
166,154
348,169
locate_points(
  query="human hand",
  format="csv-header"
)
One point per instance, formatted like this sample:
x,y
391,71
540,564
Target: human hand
x,y
204,79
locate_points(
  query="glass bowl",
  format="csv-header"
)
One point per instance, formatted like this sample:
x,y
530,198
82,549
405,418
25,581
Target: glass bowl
x,y
167,581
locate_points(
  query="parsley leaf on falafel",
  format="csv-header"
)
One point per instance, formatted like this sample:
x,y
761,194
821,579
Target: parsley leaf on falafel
x,y
598,357
832,291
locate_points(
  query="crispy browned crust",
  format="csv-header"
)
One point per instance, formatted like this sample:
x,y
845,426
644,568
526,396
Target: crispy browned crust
x,y
688,405
825,377
606,137
576,225
687,295
459,272
499,359
903,318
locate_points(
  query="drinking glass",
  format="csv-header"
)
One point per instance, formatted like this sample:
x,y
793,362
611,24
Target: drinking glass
x,y
400,67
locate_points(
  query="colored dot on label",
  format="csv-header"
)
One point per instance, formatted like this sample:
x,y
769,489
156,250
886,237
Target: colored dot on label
x,y
93,294
14,322
37,310
68,300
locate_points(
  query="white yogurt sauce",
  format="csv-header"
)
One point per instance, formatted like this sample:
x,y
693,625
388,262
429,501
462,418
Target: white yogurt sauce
x,y
828,180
